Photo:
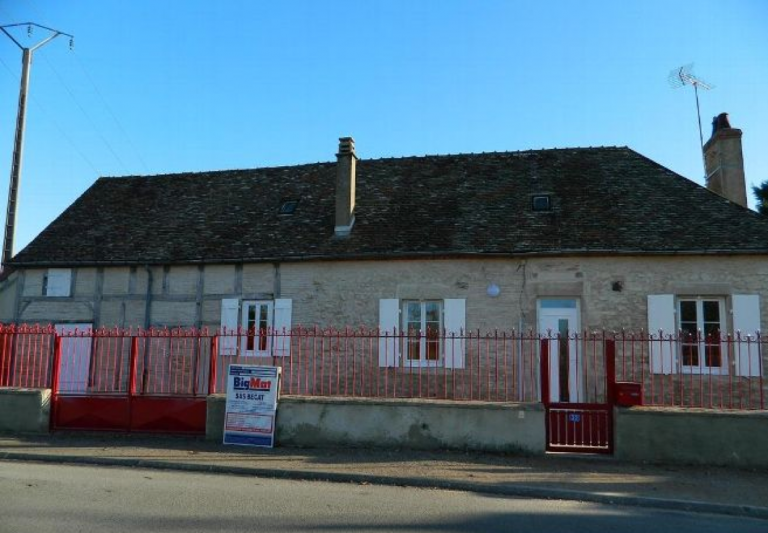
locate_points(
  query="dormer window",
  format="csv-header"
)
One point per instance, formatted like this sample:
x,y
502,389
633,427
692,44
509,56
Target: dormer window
x,y
541,202
288,207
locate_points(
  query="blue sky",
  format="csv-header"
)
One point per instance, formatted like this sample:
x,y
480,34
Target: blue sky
x,y
170,86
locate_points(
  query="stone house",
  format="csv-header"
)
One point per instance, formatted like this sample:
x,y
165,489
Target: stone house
x,y
559,239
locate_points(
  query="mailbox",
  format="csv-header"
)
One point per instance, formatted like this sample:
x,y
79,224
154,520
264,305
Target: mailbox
x,y
628,393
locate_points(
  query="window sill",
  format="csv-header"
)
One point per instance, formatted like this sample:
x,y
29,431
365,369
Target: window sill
x,y
696,371
417,365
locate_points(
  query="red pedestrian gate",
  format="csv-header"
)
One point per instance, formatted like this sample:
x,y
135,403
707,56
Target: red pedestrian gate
x,y
579,398
154,381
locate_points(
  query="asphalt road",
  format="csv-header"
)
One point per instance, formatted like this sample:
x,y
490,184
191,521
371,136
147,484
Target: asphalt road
x,y
61,498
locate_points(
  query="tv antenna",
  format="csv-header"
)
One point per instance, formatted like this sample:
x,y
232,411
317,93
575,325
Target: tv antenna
x,y
21,118
684,76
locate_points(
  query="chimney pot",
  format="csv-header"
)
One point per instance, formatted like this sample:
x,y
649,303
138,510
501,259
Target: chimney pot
x,y
346,145
346,170
720,122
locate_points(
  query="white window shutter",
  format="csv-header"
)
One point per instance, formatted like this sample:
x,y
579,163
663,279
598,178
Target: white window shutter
x,y
455,329
746,325
228,332
59,282
281,345
661,320
389,340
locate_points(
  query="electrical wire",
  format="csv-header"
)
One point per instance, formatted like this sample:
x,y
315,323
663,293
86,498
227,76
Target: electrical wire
x,y
104,102
111,113
86,115
53,121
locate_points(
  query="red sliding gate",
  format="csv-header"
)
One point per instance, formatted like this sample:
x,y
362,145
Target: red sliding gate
x,y
153,381
577,382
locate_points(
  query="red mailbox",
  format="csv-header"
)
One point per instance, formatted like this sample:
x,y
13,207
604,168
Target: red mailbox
x,y
628,393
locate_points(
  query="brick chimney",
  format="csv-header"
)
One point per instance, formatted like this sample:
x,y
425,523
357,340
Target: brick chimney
x,y
724,161
346,163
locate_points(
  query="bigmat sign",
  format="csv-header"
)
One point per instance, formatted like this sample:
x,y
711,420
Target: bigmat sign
x,y
251,405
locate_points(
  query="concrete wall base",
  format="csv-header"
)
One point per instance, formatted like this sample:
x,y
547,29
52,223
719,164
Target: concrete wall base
x,y
25,410
692,436
400,423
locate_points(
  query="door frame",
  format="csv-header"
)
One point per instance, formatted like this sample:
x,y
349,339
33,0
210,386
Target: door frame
x,y
546,320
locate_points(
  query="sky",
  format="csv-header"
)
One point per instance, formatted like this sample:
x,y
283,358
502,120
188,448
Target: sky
x,y
164,86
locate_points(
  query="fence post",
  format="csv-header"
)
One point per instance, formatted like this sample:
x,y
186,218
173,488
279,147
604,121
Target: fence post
x,y
12,359
132,377
610,371
55,378
134,365
212,360
544,356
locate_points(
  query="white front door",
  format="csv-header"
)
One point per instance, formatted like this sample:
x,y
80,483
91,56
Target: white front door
x,y
257,329
559,320
75,361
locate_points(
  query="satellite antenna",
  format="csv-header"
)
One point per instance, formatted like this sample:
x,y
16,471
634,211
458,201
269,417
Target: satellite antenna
x,y
684,76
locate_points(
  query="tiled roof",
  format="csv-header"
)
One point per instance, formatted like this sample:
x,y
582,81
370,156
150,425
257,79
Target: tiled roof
x,y
605,200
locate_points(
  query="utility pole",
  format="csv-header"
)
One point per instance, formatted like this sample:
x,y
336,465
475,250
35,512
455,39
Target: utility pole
x,y
18,140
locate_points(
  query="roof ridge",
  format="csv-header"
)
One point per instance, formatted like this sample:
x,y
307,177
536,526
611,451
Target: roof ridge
x,y
383,158
219,171
500,152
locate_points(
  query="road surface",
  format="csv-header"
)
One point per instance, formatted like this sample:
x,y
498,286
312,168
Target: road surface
x,y
43,498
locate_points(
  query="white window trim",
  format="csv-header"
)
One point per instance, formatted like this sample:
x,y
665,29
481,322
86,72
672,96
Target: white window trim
x,y
244,352
422,362
701,368
234,316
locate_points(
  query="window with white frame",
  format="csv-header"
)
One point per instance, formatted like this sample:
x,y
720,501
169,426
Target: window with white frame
x,y
264,327
415,333
257,325
423,327
703,321
701,325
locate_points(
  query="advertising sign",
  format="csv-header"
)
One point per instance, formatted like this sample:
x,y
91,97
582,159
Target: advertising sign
x,y
252,393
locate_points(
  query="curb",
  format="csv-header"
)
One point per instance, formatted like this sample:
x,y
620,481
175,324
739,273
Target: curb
x,y
525,491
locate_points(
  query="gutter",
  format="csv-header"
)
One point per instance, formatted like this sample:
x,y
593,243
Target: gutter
x,y
403,256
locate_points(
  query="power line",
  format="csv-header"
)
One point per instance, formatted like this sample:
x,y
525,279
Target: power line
x,y
49,116
104,103
111,113
86,115
21,117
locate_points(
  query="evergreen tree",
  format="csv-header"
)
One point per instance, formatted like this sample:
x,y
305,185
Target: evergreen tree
x,y
761,195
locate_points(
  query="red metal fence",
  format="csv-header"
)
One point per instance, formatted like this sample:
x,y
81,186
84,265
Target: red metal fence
x,y
495,367
708,372
674,370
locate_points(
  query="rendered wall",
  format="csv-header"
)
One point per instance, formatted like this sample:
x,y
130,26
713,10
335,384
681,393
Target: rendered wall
x,y
413,424
612,292
342,293
25,410
691,436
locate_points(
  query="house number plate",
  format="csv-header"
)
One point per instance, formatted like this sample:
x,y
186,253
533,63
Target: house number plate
x,y
574,417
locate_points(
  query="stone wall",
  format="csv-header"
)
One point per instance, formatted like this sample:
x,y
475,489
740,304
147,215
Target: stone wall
x,y
612,290
25,410
412,424
692,436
